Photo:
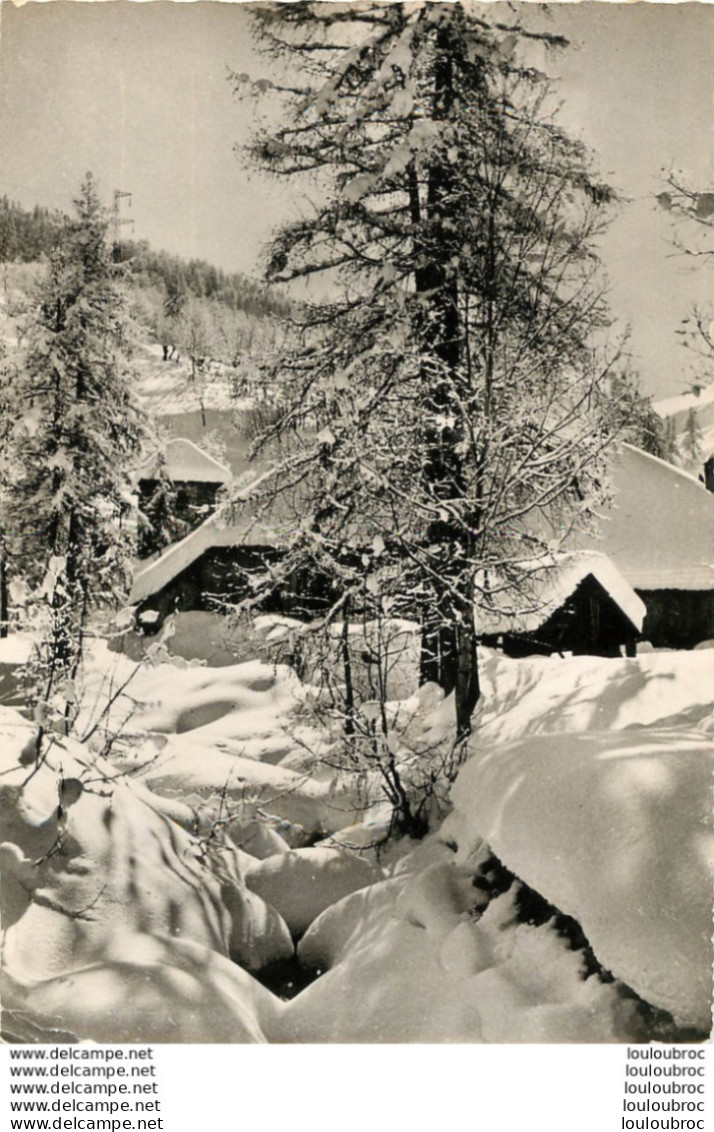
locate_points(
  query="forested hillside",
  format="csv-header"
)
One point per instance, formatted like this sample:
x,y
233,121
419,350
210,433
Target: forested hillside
x,y
26,235
204,319
188,306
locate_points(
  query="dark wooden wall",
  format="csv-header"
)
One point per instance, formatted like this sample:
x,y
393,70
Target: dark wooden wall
x,y
221,576
678,619
589,623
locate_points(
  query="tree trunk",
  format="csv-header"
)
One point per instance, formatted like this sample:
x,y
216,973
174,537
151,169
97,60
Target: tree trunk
x,y
449,658
4,598
468,684
448,655
349,724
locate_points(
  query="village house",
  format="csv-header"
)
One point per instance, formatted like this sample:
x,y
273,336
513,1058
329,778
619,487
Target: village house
x,y
659,532
207,569
577,603
178,489
646,573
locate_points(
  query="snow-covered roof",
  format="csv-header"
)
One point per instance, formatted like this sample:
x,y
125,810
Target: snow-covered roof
x,y
184,462
658,534
659,531
551,585
219,530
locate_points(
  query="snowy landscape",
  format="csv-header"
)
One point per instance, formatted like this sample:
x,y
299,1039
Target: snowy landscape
x,y
566,897
356,639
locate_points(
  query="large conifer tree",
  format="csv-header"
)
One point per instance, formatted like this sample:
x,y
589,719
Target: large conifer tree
x,y
446,412
76,430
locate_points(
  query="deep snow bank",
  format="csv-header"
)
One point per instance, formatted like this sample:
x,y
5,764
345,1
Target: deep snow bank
x,y
115,907
144,988
95,875
215,737
614,830
302,883
416,958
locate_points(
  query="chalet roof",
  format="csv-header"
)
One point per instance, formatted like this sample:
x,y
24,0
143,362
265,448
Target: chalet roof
x,y
184,462
658,534
222,529
659,531
525,610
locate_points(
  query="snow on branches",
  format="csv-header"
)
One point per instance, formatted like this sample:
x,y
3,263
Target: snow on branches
x,y
446,397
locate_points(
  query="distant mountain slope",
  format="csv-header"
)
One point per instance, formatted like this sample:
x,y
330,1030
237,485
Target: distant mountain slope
x,y
681,411
29,235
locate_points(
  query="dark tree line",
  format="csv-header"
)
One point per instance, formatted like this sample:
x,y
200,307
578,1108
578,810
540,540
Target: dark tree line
x,y
27,235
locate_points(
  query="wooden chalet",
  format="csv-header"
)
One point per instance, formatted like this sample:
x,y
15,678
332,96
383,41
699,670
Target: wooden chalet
x,y
659,532
574,603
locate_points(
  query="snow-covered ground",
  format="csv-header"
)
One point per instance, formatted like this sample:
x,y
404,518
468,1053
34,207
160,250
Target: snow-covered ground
x,y
201,831
170,387
679,409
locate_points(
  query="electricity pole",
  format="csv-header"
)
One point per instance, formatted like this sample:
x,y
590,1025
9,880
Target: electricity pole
x,y
117,222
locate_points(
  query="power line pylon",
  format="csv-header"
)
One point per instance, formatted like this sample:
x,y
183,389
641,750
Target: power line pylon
x,y
117,222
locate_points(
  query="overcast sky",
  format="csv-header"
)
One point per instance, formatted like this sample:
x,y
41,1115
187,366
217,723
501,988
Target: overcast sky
x,y
139,95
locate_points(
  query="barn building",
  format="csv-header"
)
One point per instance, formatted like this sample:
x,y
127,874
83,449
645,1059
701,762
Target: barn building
x,y
659,532
178,489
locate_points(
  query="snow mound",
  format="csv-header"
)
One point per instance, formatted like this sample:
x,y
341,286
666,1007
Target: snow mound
x,y
255,696
411,959
211,779
302,883
538,695
614,830
144,989
87,855
259,838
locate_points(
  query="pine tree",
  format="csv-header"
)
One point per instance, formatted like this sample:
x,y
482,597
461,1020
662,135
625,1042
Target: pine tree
x,y
76,430
445,414
8,383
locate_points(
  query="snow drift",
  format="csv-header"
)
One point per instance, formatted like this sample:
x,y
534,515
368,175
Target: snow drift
x,y
416,958
614,830
140,893
95,874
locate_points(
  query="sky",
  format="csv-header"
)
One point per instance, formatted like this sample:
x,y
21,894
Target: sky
x,y
139,94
